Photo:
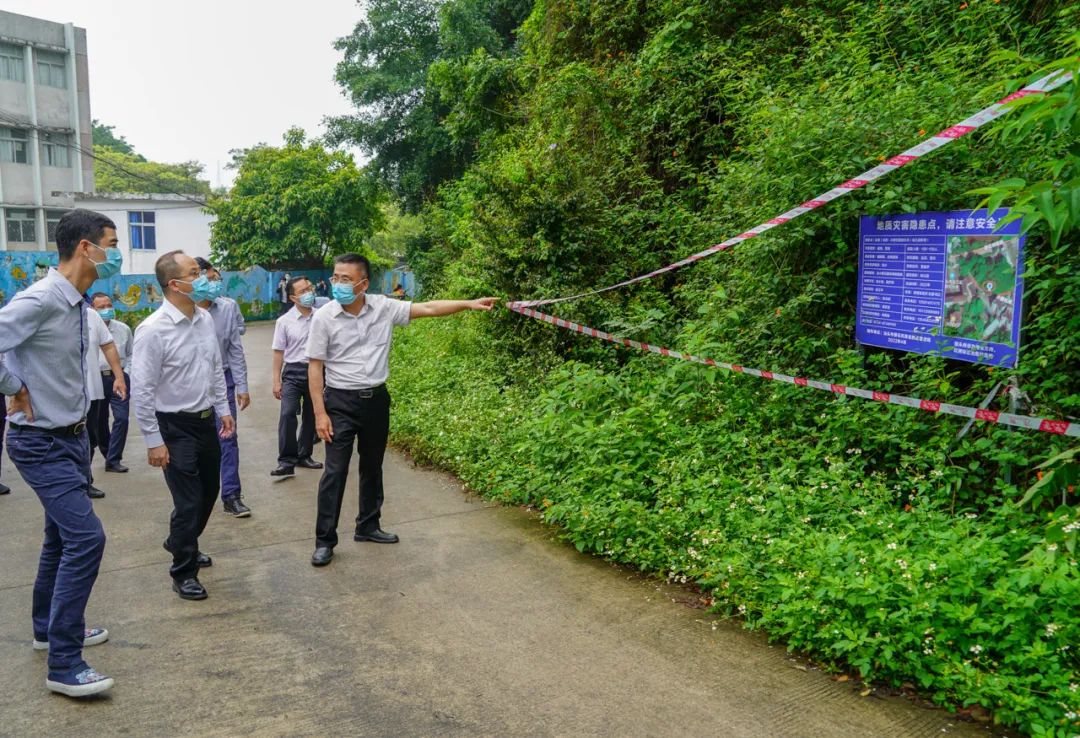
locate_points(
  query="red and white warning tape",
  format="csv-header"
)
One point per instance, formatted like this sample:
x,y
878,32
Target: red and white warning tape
x,y
1059,427
964,127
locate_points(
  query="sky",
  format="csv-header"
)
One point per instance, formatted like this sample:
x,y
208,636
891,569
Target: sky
x,y
194,79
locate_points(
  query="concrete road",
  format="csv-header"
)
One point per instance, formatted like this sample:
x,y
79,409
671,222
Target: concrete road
x,y
478,623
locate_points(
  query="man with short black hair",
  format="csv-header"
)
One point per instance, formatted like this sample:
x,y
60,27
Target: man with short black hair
x,y
350,341
290,370
111,443
178,384
229,326
45,326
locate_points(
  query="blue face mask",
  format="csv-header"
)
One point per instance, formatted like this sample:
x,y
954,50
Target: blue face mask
x,y
114,259
107,313
215,288
343,293
307,299
200,289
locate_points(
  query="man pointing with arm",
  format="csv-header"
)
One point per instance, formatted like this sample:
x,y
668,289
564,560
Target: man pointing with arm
x,y
350,340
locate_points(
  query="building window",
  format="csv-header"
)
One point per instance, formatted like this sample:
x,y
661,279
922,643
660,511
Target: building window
x,y
51,69
52,220
14,146
21,226
54,150
11,63
143,227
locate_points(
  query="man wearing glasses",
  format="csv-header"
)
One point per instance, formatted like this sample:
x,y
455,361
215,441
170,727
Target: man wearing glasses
x,y
179,392
290,368
229,326
349,340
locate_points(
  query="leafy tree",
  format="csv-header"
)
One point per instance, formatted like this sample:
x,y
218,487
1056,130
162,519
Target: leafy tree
x,y
106,136
118,172
294,206
401,116
399,231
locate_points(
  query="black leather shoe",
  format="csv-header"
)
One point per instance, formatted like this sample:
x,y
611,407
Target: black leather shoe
x,y
117,467
322,556
203,561
94,493
377,536
4,489
283,471
309,463
189,589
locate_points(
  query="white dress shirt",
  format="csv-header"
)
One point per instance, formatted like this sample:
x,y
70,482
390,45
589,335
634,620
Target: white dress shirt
x,y
99,336
122,337
356,349
175,367
291,335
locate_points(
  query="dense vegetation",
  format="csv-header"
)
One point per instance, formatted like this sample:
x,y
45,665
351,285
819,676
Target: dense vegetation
x,y
559,146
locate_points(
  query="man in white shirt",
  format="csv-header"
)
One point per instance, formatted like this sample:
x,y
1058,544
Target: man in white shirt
x,y
350,341
179,384
99,336
290,370
111,443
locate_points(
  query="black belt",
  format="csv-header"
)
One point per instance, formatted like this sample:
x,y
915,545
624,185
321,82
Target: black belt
x,y
296,364
365,393
106,372
200,415
74,429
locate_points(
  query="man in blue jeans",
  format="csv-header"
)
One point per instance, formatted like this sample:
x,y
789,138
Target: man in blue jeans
x,y
45,326
229,326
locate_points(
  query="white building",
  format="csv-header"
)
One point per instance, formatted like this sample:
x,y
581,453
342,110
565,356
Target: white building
x,y
44,121
150,225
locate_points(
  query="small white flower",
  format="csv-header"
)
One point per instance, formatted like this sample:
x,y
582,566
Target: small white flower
x,y
1052,547
862,560
901,563
932,566
891,547
1073,686
800,575
971,516
742,609
976,649
1051,628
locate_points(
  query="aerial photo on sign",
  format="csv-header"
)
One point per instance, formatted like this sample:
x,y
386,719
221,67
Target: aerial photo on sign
x,y
942,283
980,292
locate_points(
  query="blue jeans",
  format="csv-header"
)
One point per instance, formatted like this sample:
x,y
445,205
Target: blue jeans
x,y
57,468
230,449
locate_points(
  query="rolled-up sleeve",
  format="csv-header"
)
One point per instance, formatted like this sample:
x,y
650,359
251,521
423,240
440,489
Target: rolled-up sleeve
x,y
145,361
19,320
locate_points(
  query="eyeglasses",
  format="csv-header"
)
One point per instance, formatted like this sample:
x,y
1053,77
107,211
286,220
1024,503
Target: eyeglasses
x,y
344,280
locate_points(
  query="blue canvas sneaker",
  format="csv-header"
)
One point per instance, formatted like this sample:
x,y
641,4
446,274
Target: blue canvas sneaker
x,y
91,637
79,681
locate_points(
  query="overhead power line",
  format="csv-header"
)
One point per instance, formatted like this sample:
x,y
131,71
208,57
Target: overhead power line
x,y
11,118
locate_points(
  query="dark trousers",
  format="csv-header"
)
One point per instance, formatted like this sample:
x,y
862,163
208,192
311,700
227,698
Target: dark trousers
x,y
193,476
295,400
230,447
365,420
56,467
3,420
110,443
